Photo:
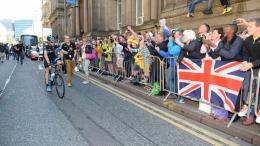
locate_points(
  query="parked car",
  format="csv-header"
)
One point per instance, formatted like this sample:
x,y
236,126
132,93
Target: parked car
x,y
34,55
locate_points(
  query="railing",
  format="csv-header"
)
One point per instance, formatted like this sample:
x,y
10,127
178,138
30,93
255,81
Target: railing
x,y
133,69
169,69
253,97
163,71
257,93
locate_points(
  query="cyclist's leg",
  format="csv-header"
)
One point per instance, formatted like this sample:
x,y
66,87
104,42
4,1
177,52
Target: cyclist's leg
x,y
46,72
46,77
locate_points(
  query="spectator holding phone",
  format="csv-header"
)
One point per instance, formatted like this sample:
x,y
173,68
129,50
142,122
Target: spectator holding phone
x,y
211,42
190,46
171,55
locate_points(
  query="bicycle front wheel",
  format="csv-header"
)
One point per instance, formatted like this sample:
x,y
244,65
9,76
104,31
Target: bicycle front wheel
x,y
59,85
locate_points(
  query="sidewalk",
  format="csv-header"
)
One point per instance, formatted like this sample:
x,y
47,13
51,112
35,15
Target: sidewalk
x,y
190,110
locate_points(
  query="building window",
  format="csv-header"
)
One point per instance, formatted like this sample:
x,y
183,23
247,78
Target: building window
x,y
119,14
139,12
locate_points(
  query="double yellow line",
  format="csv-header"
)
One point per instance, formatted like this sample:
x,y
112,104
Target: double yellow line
x,y
186,126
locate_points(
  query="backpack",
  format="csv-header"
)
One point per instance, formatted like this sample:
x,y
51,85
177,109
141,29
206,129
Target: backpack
x,y
88,49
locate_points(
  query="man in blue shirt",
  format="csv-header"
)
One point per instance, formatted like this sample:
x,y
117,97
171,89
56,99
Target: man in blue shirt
x,y
171,57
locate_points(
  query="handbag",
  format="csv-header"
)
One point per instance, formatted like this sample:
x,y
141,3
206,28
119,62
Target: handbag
x,y
90,52
91,56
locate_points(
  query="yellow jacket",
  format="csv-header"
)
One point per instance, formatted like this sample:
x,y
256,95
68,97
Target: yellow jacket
x,y
107,50
139,60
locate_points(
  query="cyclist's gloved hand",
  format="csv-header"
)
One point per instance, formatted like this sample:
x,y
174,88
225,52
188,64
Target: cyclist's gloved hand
x,y
49,65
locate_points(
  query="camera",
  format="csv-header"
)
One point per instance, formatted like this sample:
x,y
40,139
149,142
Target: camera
x,y
235,22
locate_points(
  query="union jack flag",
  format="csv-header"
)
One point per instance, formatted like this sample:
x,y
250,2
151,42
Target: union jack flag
x,y
217,82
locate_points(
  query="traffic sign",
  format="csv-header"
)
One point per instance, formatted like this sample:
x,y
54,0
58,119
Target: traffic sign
x,y
71,2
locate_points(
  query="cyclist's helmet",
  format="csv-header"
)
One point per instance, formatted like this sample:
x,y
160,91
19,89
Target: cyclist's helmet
x,y
51,38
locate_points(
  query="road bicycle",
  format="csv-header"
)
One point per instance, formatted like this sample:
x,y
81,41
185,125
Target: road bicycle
x,y
56,79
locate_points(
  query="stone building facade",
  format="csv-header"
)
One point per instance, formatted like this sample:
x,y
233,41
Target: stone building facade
x,y
101,17
46,14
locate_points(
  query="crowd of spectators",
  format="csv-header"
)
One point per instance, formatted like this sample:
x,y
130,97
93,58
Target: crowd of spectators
x,y
130,53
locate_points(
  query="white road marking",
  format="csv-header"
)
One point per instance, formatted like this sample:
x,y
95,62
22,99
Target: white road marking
x,y
40,67
8,80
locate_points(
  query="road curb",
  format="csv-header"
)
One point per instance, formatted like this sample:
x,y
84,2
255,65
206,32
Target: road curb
x,y
235,131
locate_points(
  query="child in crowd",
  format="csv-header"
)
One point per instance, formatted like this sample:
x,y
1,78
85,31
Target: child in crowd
x,y
146,59
107,54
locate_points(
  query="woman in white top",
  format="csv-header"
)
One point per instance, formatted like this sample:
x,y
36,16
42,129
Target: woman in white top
x,y
211,41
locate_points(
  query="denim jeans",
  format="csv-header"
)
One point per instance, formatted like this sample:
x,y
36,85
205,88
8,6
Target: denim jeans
x,y
192,5
209,5
14,56
20,57
225,3
7,56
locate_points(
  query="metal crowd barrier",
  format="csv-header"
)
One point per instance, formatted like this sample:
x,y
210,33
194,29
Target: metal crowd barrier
x,y
156,74
162,71
102,67
145,74
137,71
169,70
253,97
257,93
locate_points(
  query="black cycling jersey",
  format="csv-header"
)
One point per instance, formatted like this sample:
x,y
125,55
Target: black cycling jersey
x,y
51,52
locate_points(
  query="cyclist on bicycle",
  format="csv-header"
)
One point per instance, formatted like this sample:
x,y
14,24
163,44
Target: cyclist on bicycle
x,y
50,58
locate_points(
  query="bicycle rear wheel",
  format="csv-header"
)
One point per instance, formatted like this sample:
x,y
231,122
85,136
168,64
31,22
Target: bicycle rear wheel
x,y
59,85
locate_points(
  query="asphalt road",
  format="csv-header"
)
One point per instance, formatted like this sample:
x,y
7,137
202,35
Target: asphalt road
x,y
88,115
